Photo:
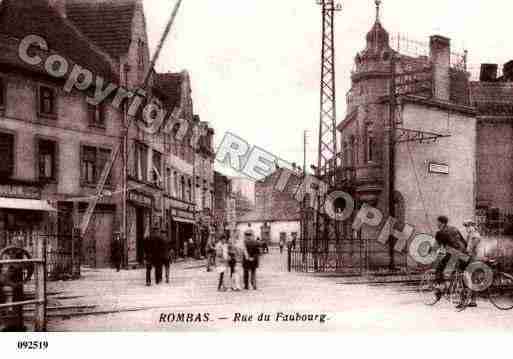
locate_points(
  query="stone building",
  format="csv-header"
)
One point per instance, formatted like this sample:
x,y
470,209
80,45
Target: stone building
x,y
60,144
432,167
224,204
276,213
52,142
492,96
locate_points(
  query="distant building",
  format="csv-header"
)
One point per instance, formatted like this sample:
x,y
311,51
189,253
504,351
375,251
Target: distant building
x,y
224,203
492,96
276,214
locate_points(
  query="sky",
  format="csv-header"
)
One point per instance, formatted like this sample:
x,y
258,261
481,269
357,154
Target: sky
x,y
255,64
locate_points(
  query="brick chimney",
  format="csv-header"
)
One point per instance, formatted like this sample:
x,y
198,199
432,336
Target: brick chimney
x,y
488,72
440,53
507,71
59,5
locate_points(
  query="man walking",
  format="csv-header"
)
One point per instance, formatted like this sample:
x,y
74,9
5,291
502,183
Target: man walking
x,y
167,248
222,262
149,257
250,263
159,253
116,252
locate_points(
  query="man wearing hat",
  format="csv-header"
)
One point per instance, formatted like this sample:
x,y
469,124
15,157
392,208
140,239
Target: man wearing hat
x,y
473,241
158,254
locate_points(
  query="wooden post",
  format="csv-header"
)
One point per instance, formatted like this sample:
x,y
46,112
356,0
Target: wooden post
x,y
40,306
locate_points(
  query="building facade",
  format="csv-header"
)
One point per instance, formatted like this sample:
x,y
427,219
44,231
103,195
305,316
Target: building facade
x,y
420,163
276,213
53,142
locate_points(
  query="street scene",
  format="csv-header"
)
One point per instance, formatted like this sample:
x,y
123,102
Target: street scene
x,y
169,167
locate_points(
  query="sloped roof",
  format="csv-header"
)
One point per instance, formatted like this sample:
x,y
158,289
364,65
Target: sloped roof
x,y
277,214
19,19
108,23
169,86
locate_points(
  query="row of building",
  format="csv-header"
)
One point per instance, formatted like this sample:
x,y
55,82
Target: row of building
x,y
54,144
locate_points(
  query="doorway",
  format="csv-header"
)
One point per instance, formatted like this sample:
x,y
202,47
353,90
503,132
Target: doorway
x,y
139,225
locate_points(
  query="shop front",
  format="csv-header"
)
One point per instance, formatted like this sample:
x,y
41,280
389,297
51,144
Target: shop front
x,y
24,216
182,225
140,206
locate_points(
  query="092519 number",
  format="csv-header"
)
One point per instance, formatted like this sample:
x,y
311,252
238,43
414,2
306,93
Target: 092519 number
x,y
32,345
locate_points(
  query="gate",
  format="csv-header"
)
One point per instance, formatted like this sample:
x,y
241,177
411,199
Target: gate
x,y
345,256
62,251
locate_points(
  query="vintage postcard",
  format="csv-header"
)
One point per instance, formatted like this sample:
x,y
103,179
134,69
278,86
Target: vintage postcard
x,y
260,165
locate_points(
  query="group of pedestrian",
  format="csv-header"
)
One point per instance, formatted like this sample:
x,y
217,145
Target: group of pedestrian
x,y
236,257
157,255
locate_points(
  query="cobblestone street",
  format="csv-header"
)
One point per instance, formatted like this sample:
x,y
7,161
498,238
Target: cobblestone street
x,y
122,302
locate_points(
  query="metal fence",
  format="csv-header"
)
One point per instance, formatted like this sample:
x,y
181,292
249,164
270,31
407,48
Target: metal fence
x,y
19,268
62,250
345,256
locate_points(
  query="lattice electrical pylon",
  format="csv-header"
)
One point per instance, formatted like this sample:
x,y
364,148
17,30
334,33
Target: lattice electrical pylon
x,y
327,162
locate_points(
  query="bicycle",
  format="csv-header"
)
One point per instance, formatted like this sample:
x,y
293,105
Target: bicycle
x,y
453,289
500,292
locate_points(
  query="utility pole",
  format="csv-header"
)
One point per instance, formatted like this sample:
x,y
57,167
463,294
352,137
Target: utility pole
x,y
327,124
389,155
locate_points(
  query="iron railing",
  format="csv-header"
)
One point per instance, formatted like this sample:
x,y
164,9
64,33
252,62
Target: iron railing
x,y
344,256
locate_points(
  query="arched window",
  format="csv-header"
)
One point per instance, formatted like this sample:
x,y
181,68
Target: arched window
x,y
370,144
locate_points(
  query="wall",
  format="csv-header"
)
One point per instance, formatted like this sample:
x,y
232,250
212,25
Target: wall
x,y
450,194
70,129
494,164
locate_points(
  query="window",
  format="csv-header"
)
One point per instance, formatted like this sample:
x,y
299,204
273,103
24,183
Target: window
x,y
157,168
189,190
89,165
46,101
354,151
140,54
182,188
2,93
6,154
103,159
94,161
47,159
96,115
175,184
141,162
168,181
370,154
347,154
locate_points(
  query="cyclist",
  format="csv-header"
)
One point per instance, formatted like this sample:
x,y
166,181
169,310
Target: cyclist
x,y
447,236
473,241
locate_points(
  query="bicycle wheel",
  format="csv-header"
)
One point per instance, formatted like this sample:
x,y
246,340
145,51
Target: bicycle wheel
x,y
459,294
427,288
500,292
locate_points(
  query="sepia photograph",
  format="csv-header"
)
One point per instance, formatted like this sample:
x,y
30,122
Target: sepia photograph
x,y
255,166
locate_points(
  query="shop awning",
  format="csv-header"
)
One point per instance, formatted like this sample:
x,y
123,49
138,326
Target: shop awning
x,y
26,204
183,220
